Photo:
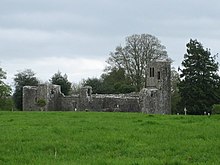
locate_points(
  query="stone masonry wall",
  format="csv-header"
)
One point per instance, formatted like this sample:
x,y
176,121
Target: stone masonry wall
x,y
29,98
155,98
69,103
115,103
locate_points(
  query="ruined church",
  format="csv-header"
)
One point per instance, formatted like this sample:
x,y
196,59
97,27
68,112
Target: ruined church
x,y
154,98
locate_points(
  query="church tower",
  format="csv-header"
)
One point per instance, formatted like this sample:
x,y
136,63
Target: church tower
x,y
156,96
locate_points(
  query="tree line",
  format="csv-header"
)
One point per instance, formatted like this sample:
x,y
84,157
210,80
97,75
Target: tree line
x,y
194,86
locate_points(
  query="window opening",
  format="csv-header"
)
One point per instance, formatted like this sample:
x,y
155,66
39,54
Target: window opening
x,y
166,71
151,72
52,92
151,94
89,92
158,75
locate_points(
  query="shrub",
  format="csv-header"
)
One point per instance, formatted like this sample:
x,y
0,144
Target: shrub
x,y
6,104
41,102
216,109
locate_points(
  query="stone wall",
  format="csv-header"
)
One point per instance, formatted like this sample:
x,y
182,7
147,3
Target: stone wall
x,y
69,103
53,97
85,97
149,100
49,93
155,98
56,101
115,103
29,98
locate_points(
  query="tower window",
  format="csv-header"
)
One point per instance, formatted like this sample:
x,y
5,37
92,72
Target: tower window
x,y
158,75
151,72
89,92
166,71
151,94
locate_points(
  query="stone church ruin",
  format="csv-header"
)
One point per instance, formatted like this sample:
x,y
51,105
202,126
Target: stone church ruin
x,y
155,98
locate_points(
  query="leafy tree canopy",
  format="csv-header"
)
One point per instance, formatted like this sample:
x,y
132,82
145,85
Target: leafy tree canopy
x,y
62,80
95,83
175,95
21,79
199,86
5,92
135,55
2,75
115,81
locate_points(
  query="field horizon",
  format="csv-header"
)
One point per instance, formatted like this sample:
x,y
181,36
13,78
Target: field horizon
x,y
108,138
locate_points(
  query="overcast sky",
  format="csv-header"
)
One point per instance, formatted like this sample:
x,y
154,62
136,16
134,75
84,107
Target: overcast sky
x,y
76,36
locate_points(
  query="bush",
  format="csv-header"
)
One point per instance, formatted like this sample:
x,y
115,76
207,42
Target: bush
x,y
41,103
216,109
6,104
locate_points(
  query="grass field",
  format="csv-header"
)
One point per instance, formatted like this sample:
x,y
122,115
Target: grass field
x,y
69,138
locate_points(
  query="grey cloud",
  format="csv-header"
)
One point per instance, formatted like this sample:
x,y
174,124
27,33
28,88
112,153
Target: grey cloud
x,y
82,28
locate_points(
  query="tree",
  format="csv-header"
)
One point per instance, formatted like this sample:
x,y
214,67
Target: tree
x,y
116,81
135,55
76,87
24,78
113,82
175,95
199,79
58,79
5,92
95,83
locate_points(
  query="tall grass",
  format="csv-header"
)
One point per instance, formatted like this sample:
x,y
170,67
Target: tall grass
x,y
107,138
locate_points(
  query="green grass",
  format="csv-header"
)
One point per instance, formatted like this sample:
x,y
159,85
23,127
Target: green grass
x,y
68,138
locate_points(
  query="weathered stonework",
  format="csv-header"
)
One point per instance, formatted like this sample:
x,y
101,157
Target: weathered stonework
x,y
115,103
48,92
154,98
